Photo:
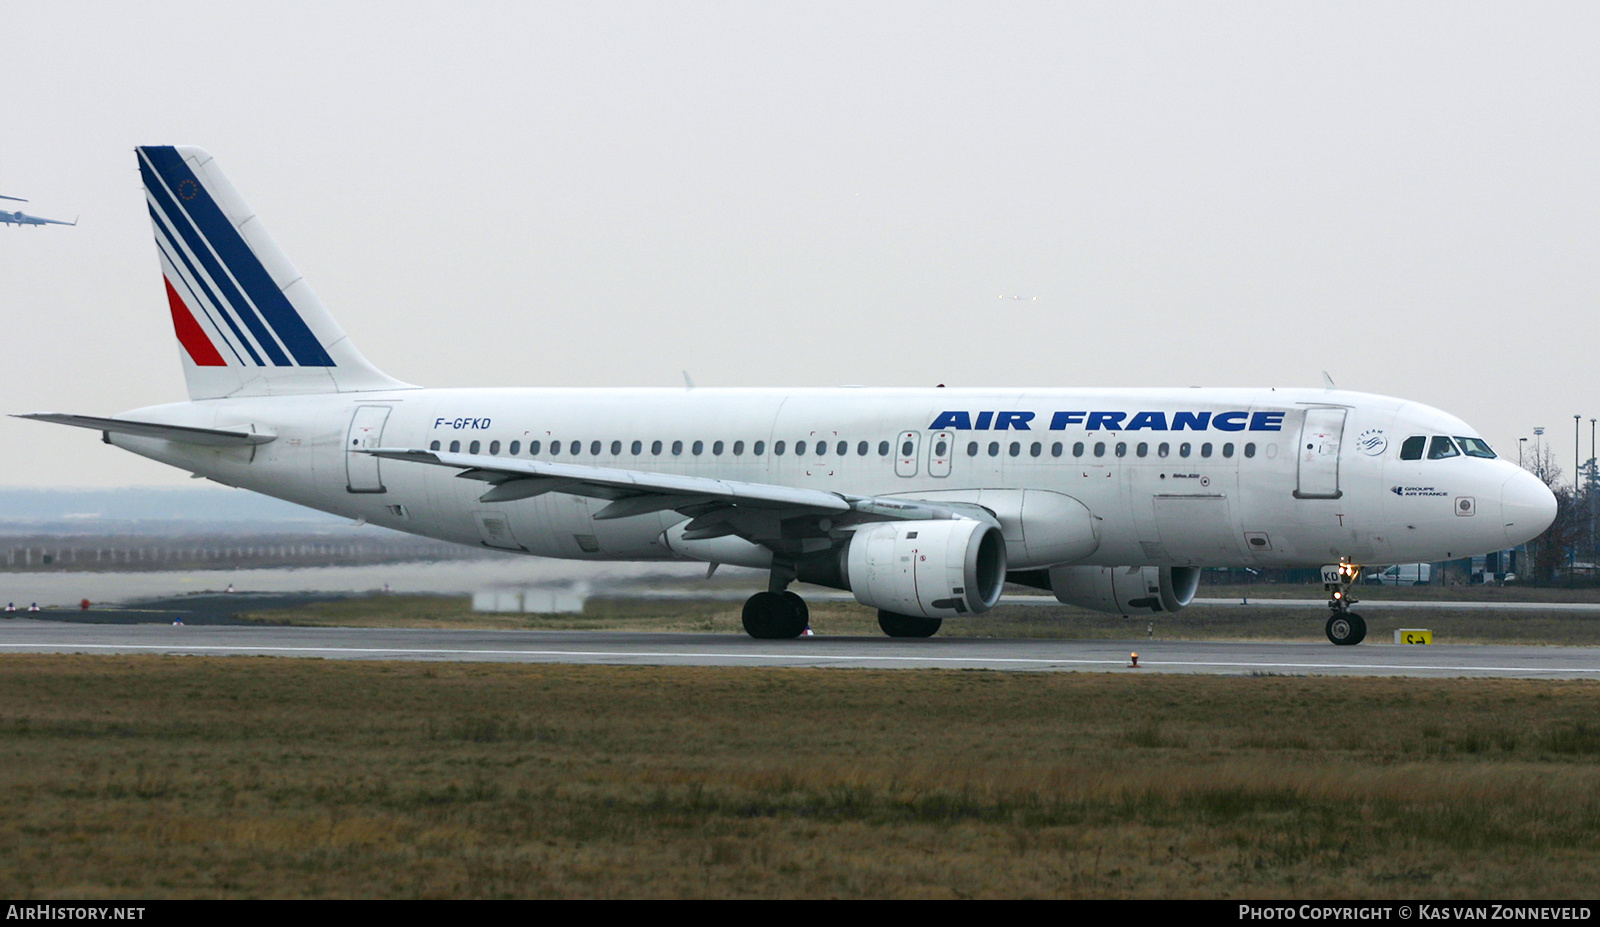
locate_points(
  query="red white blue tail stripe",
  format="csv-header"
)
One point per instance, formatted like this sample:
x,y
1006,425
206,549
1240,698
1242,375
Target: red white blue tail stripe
x,y
226,308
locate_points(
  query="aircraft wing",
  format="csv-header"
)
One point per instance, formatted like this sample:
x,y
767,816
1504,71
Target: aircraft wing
x,y
759,512
183,434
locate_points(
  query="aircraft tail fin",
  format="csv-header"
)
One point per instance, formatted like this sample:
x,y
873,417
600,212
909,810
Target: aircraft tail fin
x,y
247,322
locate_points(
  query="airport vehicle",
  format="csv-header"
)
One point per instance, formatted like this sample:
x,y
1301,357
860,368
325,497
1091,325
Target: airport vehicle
x,y
1403,574
920,502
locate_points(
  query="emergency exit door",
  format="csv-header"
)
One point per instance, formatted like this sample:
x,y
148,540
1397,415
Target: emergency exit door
x,y
1321,435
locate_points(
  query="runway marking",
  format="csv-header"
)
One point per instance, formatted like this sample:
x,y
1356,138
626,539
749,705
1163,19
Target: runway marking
x,y
906,658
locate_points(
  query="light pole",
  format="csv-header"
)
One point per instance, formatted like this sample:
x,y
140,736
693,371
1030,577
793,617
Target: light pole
x,y
1538,451
1521,444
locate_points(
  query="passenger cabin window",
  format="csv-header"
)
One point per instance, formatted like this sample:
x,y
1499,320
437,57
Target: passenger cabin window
x,y
1411,449
759,448
697,447
1441,447
637,447
594,448
455,446
616,449
972,448
473,447
515,448
494,447
738,448
533,448
883,448
434,446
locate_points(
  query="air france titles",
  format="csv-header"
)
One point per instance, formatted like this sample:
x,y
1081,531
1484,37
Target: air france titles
x,y
1111,421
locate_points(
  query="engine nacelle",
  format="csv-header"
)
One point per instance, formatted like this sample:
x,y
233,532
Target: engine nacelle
x,y
931,569
1125,590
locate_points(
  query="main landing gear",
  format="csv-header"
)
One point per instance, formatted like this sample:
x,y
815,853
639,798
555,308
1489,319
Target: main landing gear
x,y
1345,627
775,615
897,625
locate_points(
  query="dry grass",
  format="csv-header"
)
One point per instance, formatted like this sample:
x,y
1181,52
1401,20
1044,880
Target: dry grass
x,y
248,777
1008,621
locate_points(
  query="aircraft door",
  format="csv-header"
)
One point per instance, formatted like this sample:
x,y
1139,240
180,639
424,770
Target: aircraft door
x,y
941,448
1320,437
905,448
366,431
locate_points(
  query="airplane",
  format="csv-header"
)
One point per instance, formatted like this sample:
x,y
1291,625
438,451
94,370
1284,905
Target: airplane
x,y
21,218
923,503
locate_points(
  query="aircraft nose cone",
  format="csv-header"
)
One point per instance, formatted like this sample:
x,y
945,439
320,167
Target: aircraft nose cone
x,y
1528,506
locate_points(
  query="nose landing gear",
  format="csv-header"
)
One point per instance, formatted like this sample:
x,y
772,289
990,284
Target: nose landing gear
x,y
1344,627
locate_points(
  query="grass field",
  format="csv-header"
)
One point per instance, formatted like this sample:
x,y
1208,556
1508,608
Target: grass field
x,y
1008,621
140,777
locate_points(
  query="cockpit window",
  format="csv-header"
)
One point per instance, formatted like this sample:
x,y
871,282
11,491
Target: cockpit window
x,y
1442,447
1412,448
1475,447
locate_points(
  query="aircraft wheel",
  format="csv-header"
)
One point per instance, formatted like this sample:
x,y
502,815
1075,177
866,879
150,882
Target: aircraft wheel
x,y
772,616
1347,629
897,625
802,612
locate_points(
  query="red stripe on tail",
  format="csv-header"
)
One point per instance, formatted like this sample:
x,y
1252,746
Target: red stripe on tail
x,y
190,334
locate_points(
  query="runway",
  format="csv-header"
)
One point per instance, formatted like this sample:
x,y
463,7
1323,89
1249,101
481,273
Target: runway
x,y
661,649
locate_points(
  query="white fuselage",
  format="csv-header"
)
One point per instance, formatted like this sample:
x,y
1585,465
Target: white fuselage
x,y
1196,477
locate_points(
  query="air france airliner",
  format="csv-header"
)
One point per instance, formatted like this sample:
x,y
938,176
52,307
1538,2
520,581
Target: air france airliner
x,y
923,503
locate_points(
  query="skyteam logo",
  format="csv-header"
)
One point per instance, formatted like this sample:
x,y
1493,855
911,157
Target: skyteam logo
x,y
226,308
1372,442
958,420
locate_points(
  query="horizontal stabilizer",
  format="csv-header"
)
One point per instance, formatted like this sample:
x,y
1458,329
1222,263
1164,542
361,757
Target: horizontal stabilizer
x,y
183,434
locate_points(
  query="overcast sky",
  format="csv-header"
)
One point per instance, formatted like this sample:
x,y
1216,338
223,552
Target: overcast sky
x,y
1406,195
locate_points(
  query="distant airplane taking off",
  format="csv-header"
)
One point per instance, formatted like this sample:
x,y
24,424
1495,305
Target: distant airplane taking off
x,y
21,218
923,503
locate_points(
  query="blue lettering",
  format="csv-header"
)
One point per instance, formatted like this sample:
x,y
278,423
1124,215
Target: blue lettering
x,y
1230,421
1110,421
1015,421
1266,421
959,421
1155,421
437,422
984,418
1060,420
1193,421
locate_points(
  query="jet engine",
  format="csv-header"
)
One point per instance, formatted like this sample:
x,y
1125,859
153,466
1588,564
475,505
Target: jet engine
x,y
930,569
1125,590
